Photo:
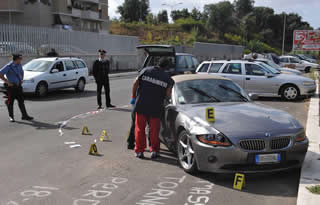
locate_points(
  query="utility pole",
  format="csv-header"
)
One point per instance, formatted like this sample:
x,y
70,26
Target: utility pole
x,y
284,33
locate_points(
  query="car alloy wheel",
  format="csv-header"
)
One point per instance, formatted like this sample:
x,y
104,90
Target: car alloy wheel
x,y
186,153
80,85
42,89
290,93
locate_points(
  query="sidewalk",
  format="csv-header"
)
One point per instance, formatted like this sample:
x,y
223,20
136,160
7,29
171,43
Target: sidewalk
x,y
117,75
310,173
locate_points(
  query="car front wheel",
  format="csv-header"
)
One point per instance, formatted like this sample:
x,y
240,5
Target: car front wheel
x,y
185,152
290,92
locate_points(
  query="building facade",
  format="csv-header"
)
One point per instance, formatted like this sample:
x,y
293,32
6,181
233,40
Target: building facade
x,y
79,15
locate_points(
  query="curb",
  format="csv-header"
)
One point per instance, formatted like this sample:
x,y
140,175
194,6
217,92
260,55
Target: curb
x,y
117,75
310,172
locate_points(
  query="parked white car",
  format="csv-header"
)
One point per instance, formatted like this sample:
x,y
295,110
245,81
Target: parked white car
x,y
260,79
47,74
293,62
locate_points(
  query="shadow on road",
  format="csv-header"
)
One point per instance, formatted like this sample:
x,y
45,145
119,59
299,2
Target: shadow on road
x,y
62,95
43,125
270,184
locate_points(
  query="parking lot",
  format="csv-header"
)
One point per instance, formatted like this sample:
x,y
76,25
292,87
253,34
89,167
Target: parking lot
x,y
115,177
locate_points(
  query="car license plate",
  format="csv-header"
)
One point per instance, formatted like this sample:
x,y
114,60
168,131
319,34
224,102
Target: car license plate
x,y
268,158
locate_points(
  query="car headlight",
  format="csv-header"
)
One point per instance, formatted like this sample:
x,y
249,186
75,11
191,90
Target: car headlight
x,y
29,81
214,139
308,83
300,137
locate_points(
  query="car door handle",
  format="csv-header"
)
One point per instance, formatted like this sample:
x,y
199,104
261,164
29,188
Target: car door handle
x,y
248,78
77,72
64,74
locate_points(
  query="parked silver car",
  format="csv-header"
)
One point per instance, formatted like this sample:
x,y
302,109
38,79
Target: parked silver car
x,y
244,136
279,68
260,80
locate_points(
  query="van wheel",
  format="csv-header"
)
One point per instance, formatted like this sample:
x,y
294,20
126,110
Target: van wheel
x,y
307,70
290,92
185,152
80,85
42,89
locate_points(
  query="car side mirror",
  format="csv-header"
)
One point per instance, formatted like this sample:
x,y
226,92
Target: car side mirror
x,y
54,70
253,96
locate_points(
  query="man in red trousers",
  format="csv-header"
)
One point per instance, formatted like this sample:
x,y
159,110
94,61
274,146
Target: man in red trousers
x,y
149,91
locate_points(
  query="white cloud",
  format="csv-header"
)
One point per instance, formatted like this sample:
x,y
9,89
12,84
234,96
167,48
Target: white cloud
x,y
308,9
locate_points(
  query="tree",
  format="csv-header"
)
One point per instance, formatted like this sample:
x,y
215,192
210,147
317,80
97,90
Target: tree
x,y
163,17
243,7
134,10
180,14
196,14
220,17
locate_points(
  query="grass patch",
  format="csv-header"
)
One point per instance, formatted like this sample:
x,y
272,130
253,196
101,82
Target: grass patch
x,y
314,189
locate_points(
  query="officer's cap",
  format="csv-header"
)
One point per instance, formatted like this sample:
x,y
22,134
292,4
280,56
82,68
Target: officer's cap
x,y
101,51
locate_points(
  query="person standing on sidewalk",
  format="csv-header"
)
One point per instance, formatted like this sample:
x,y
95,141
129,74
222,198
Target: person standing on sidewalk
x,y
149,91
12,74
101,68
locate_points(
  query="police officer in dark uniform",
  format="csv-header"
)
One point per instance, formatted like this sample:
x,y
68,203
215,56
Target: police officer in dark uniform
x,y
101,68
149,91
12,74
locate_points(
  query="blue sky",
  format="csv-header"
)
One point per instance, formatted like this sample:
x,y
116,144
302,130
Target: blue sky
x,y
308,9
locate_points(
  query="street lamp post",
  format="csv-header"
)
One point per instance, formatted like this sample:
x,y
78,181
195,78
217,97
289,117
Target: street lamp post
x,y
172,7
284,33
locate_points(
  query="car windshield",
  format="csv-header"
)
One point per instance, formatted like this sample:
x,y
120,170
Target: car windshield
x,y
269,69
37,66
210,90
274,65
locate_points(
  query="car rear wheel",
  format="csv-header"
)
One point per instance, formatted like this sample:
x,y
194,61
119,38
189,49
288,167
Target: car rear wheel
x,y
186,153
80,85
42,89
307,70
290,92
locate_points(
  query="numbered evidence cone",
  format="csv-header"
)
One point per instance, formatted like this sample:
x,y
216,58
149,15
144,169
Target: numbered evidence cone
x,y
239,181
85,131
93,149
104,136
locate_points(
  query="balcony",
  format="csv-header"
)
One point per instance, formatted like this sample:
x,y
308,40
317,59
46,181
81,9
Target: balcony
x,y
87,14
90,1
11,6
76,12
90,15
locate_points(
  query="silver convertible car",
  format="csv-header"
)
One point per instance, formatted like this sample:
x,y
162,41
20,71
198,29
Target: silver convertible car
x,y
244,137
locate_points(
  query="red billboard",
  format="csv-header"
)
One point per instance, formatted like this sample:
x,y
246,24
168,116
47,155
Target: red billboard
x,y
306,40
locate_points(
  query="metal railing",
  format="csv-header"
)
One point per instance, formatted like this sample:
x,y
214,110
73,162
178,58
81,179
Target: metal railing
x,y
38,41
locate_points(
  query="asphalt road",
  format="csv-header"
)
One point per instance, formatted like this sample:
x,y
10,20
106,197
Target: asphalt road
x,y
37,167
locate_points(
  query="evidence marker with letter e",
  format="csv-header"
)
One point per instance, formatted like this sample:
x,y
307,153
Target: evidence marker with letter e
x,y
210,114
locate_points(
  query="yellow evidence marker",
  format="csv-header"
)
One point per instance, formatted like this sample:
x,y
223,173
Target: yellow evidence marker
x,y
239,181
210,114
85,131
104,136
93,150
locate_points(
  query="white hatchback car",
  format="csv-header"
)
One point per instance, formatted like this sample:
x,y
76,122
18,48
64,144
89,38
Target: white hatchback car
x,y
47,74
